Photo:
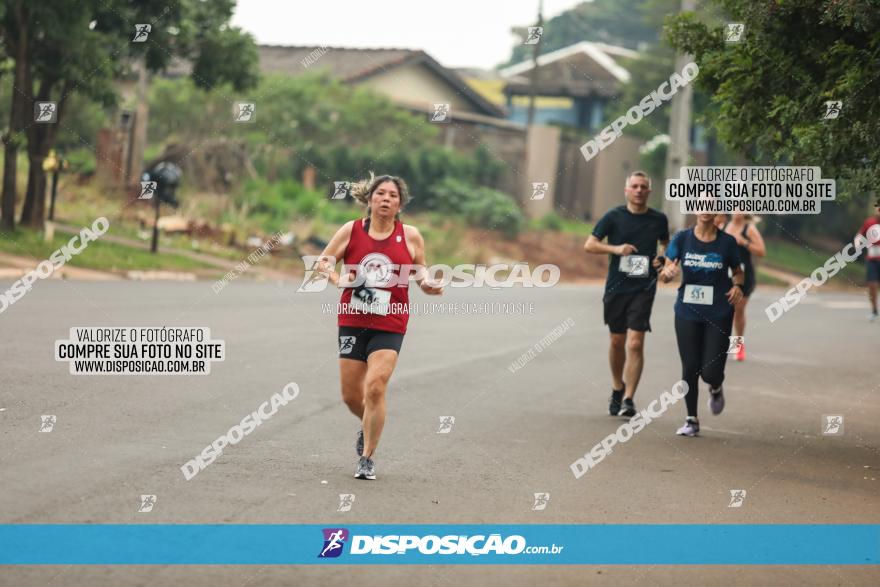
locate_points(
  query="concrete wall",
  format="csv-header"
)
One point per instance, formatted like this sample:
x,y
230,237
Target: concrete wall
x,y
574,186
507,144
542,160
612,166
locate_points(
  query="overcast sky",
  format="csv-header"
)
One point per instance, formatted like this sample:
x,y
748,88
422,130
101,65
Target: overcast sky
x,y
457,33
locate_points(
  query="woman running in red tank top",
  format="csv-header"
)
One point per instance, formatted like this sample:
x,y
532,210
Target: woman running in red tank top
x,y
377,252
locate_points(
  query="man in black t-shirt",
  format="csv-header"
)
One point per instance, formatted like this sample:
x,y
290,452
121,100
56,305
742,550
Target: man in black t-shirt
x,y
633,232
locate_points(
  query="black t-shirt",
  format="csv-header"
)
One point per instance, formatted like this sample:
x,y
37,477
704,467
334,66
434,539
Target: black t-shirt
x,y
640,230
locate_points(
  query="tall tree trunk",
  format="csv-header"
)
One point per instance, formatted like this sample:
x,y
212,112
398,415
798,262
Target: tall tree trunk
x,y
41,138
18,42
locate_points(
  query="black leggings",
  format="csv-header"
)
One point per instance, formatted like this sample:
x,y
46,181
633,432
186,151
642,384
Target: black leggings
x,y
702,347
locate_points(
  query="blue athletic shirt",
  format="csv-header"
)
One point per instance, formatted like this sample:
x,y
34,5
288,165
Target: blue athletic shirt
x,y
704,267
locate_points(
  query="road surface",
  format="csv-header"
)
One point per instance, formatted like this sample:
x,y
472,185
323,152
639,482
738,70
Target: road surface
x,y
514,434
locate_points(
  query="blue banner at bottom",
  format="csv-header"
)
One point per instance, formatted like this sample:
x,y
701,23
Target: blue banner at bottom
x,y
538,544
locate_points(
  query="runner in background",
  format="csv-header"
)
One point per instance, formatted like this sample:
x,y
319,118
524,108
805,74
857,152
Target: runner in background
x,y
633,232
743,228
872,262
703,309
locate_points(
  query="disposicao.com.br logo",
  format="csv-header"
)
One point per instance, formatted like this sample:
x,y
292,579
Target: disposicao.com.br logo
x,y
334,540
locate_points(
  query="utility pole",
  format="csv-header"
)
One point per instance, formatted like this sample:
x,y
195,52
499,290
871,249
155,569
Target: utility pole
x,y
678,152
533,78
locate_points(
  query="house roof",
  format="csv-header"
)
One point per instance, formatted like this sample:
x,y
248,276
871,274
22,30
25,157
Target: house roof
x,y
354,65
343,63
583,67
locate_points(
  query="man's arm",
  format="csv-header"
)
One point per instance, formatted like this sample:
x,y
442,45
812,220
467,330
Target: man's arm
x,y
603,228
660,259
594,245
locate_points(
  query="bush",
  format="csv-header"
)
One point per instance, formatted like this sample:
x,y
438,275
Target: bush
x,y
550,221
481,206
495,210
422,168
274,206
81,161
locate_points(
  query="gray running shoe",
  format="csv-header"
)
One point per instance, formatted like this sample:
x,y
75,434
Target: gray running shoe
x,y
627,409
690,428
716,400
366,469
359,445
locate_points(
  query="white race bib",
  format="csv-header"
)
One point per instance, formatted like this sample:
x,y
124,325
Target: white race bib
x,y
698,294
874,251
634,265
371,301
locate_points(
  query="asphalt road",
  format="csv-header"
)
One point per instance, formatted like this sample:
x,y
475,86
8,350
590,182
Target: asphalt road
x,y
515,434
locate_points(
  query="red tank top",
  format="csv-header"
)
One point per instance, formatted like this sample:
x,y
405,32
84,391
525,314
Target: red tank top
x,y
380,261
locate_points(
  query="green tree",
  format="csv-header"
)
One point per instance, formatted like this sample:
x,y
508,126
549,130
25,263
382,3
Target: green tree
x,y
307,119
770,89
66,47
626,23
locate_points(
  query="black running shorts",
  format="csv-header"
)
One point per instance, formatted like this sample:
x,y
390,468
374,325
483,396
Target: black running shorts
x,y
357,343
628,311
872,267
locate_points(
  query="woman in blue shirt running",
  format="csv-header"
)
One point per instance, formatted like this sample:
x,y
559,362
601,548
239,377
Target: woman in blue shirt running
x,y
704,308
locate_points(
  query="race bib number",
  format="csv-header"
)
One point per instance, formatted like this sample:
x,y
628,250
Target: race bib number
x,y
634,265
874,251
698,294
371,301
